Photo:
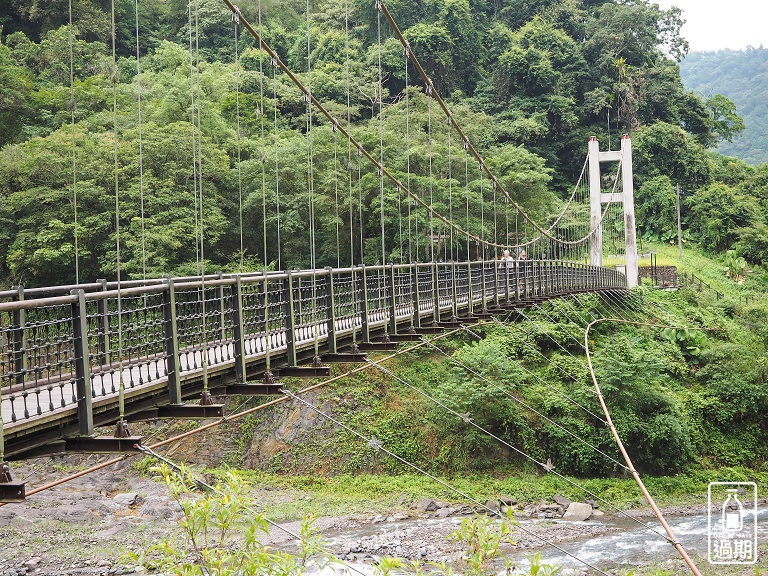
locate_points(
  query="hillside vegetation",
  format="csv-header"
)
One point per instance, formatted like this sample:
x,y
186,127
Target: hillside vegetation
x,y
742,76
529,82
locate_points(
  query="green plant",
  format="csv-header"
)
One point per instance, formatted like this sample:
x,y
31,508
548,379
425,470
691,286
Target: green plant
x,y
538,568
221,534
690,342
735,266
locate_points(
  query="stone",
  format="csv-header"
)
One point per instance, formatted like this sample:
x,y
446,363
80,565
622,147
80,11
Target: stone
x,y
126,499
508,501
596,513
425,505
591,503
157,507
443,513
493,505
643,501
32,563
561,500
578,512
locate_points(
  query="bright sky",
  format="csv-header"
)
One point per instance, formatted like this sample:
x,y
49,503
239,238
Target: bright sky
x,y
718,24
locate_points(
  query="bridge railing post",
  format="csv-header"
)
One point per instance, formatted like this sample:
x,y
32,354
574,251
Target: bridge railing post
x,y
365,305
221,307
238,336
392,298
290,320
104,347
454,290
82,363
470,290
330,302
19,350
507,292
435,293
548,275
415,298
171,342
483,287
496,288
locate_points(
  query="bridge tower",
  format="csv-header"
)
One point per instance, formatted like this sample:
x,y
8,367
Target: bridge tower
x,y
627,198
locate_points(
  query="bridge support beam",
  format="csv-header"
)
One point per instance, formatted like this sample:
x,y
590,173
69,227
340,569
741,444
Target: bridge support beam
x,y
627,198
82,364
171,343
10,489
629,212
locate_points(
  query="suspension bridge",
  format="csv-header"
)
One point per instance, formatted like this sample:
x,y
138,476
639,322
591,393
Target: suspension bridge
x,y
77,357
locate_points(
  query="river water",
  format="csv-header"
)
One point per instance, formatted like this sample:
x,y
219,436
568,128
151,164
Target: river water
x,y
636,545
627,544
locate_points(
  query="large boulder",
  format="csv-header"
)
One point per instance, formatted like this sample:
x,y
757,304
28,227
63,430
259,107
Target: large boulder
x,y
577,512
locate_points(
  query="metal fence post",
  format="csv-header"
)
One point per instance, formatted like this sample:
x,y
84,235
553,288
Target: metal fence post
x,y
171,342
507,293
454,292
238,336
82,364
290,321
470,295
330,302
366,333
222,308
104,348
415,295
435,293
392,289
19,351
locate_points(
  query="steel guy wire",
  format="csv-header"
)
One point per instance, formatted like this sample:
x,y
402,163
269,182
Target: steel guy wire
x,y
527,371
548,468
210,488
604,309
375,444
616,307
535,350
523,314
566,302
524,404
554,320
558,311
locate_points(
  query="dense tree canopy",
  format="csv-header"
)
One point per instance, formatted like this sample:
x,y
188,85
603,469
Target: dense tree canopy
x,y
529,82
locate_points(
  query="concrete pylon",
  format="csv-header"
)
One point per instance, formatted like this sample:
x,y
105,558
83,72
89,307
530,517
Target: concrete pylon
x,y
627,198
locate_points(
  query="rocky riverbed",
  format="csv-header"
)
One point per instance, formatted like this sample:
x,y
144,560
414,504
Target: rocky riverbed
x,y
90,525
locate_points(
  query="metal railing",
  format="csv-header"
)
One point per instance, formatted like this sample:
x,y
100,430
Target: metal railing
x,y
65,349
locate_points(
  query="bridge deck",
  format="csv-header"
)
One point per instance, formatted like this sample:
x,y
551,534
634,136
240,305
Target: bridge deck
x,y
62,355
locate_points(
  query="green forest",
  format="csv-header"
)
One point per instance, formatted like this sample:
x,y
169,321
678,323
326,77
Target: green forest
x,y
202,117
742,76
